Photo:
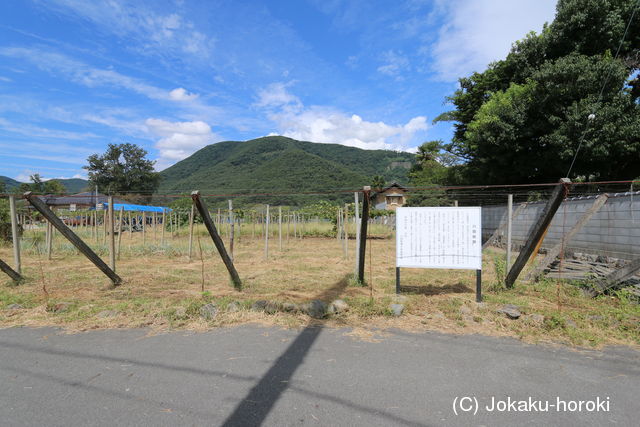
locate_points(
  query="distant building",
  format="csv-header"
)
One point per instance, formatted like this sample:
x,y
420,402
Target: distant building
x,y
391,197
82,201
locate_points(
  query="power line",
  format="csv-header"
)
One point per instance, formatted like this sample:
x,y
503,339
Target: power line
x,y
604,84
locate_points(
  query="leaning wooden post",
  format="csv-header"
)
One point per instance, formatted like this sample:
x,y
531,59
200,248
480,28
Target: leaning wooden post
x,y
15,235
206,218
231,229
554,252
538,230
191,214
363,232
266,234
15,276
72,237
112,237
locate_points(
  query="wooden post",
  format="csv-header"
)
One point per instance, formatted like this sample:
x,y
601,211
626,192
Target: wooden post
x,y
143,218
280,227
15,276
509,228
15,235
120,230
164,223
71,236
338,224
130,224
345,231
49,240
94,226
555,251
357,223
231,229
191,214
112,240
206,218
288,226
538,230
455,203
616,277
155,226
253,225
363,232
266,235
104,226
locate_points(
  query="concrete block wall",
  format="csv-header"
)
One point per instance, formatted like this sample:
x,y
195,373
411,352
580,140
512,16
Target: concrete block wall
x,y
613,231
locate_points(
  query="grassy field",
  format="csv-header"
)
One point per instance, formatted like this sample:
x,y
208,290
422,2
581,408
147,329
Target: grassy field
x,y
163,289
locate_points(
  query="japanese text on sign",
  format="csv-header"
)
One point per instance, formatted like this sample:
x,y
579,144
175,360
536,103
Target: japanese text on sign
x,y
439,238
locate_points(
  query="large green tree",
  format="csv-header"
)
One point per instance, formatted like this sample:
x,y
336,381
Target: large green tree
x,y
523,119
122,169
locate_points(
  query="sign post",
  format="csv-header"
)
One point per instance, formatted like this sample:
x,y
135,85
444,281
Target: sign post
x,y
442,237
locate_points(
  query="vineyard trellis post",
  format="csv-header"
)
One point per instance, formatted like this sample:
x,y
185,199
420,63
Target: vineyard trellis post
x,y
15,235
363,232
41,207
231,229
191,215
112,240
536,234
509,228
217,240
357,223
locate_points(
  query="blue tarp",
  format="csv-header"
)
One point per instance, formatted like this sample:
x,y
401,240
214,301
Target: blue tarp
x,y
138,208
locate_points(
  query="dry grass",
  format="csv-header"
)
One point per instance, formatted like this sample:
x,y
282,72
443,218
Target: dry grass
x,y
162,290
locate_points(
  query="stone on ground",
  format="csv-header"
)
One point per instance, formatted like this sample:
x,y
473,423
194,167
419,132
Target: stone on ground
x,y
208,311
511,311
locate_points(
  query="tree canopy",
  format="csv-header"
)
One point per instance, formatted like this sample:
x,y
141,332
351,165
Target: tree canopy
x,y
40,186
524,117
122,169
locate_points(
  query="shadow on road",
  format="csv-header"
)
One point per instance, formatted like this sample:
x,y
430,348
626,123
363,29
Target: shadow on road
x,y
255,407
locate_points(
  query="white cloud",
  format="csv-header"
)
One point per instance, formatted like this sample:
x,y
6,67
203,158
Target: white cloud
x,y
328,125
179,140
478,32
181,94
394,64
276,95
153,32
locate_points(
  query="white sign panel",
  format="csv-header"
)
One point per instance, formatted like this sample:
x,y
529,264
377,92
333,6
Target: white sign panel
x,y
439,238
72,207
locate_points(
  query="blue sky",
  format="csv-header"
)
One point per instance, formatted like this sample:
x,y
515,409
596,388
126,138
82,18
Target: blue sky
x,y
176,75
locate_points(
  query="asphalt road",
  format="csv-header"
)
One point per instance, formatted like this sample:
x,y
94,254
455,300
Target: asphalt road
x,y
252,375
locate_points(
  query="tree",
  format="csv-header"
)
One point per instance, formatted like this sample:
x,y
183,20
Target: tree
x,y
432,169
122,169
523,118
377,182
41,186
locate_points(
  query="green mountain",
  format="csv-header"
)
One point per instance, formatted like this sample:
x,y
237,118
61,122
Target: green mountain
x,y
278,164
9,183
75,185
72,185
